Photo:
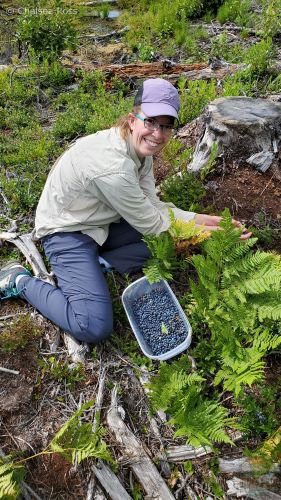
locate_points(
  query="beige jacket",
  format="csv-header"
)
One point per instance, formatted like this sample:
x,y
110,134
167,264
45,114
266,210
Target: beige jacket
x,y
97,181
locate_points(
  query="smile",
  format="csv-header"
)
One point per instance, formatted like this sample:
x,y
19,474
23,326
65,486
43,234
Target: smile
x,y
152,143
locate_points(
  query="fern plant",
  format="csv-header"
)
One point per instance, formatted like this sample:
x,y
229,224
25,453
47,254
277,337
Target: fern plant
x,y
75,441
181,394
237,290
11,476
179,239
247,366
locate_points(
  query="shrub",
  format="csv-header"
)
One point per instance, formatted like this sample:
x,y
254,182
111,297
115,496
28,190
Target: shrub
x,y
235,10
47,33
194,96
185,191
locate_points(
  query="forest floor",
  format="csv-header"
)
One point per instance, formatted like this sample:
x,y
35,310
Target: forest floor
x,y
37,401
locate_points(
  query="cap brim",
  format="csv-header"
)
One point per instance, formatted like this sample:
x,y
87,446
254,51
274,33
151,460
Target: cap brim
x,y
158,109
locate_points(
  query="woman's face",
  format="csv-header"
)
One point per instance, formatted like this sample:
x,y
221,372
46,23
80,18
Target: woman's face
x,y
148,142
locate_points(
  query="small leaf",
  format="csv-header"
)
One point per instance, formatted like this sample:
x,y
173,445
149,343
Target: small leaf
x,y
164,329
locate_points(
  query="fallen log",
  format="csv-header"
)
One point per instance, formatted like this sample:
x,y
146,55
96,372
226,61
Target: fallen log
x,y
186,452
242,466
110,482
100,38
142,466
241,488
171,72
166,69
239,127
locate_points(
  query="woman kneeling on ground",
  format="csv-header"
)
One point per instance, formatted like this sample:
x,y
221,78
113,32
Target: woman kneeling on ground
x,y
98,202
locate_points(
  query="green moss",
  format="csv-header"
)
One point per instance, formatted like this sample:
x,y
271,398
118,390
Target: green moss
x,y
18,333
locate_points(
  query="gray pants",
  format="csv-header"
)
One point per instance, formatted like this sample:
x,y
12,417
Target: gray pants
x,y
81,303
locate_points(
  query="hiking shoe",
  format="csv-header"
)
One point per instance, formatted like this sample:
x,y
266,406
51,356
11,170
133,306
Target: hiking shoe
x,y
8,275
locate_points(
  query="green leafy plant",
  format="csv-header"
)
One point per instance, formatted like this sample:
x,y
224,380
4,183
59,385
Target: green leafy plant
x,y
49,33
61,371
75,441
235,10
261,410
179,392
186,191
163,258
11,476
237,290
194,96
180,236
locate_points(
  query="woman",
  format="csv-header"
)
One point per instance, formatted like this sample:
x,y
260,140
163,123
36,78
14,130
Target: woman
x,y
98,202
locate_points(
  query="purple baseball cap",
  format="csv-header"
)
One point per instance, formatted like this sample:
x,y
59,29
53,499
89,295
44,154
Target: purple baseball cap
x,y
158,97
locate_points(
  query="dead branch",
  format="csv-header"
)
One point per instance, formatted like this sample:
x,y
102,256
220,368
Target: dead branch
x,y
99,398
185,452
241,466
142,466
7,370
110,482
100,38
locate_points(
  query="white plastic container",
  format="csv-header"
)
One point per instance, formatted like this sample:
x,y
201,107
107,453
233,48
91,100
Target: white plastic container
x,y
137,289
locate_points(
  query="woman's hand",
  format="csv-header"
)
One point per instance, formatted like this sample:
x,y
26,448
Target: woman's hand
x,y
212,224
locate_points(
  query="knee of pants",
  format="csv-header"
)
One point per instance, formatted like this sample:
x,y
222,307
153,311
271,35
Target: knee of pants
x,y
96,331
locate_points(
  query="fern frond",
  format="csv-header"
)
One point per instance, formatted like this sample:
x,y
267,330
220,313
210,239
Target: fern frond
x,y
163,257
169,382
76,441
11,476
155,272
202,421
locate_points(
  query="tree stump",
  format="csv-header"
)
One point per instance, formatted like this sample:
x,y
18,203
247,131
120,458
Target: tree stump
x,y
243,128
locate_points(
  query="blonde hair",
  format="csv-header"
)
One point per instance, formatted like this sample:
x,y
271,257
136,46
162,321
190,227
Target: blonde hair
x,y
123,124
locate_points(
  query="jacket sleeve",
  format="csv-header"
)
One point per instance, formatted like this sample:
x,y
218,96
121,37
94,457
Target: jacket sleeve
x,y
124,195
147,184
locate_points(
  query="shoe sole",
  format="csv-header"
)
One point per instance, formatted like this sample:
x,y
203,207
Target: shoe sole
x,y
11,264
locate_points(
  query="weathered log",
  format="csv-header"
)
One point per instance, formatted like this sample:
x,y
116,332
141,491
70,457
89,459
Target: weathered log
x,y
241,465
110,482
142,466
241,488
185,452
171,72
96,2
240,127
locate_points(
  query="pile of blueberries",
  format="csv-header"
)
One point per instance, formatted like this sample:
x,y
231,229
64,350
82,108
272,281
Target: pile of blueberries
x,y
159,321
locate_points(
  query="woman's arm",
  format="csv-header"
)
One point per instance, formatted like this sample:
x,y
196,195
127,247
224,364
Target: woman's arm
x,y
212,224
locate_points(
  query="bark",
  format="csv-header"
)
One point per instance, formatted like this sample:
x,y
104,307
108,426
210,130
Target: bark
x,y
240,127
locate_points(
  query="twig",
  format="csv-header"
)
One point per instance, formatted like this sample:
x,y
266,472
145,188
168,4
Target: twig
x,y
266,186
96,38
7,370
99,399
